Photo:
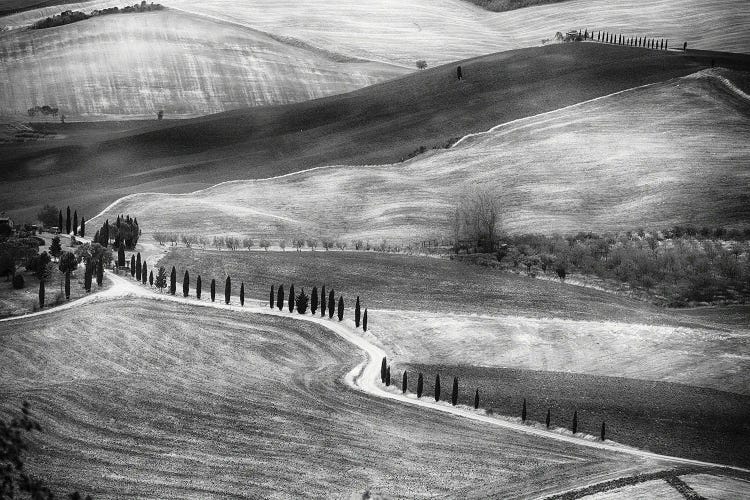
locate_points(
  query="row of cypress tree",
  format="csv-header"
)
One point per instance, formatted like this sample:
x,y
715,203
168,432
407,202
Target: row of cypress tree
x,y
277,296
71,223
650,43
385,378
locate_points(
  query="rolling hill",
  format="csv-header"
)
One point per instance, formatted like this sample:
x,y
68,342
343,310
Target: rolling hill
x,y
90,165
655,156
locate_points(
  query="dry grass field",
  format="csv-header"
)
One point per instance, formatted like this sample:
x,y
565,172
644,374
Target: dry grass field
x,y
147,399
666,154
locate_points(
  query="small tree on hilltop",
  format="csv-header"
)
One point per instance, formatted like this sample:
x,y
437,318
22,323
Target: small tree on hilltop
x,y
357,313
280,298
421,64
314,300
242,293
383,366
604,429
161,279
437,387
476,400
364,321
173,281
331,304
454,392
323,301
227,290
404,381
341,308
290,302
213,290
271,298
301,302
420,385
198,286
186,284
523,411
547,420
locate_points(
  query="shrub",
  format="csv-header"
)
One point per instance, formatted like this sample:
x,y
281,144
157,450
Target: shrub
x,y
18,282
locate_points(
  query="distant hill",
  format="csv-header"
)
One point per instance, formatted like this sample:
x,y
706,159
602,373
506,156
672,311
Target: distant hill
x,y
379,124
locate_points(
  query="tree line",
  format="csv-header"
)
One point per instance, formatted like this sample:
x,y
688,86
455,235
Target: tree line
x,y
72,16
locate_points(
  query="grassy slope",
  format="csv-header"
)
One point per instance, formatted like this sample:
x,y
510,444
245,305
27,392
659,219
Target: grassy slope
x,y
193,402
134,64
462,314
673,153
379,124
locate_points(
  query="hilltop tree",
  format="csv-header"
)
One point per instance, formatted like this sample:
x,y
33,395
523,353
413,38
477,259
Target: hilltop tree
x,y
213,290
364,321
323,301
55,249
459,73
404,381
331,304
301,302
388,377
144,273
290,303
454,392
280,298
67,222
227,290
476,400
198,287
341,308
420,385
60,221
523,411
421,64
161,279
151,278
132,265
100,272
67,285
82,231
604,429
548,418
271,298
173,281
242,293
383,367
314,300
138,267
356,313
41,294
121,256
574,428
437,387
75,223
186,284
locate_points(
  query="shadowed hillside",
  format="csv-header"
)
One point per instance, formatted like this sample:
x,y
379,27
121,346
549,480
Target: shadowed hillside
x,y
380,124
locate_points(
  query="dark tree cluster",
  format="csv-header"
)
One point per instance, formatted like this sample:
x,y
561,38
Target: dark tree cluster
x,y
72,16
642,41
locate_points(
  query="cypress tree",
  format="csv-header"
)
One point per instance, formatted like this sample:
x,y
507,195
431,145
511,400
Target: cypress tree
x,y
575,422
100,272
290,303
151,278
173,281
198,286
388,377
132,265
341,308
280,298
476,400
331,304
364,321
599,37
383,365
523,411
138,266
454,392
242,293
666,44
314,300
437,387
227,290
67,285
604,428
356,313
75,223
420,385
323,301
186,284
60,220
301,302
213,290
144,272
41,294
271,298
121,256
87,278
67,222
547,420
83,227
404,383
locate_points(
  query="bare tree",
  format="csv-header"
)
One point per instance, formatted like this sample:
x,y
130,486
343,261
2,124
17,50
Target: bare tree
x,y
203,242
264,244
341,244
327,243
218,242
247,243
172,237
477,218
282,245
312,243
298,243
189,240
160,237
